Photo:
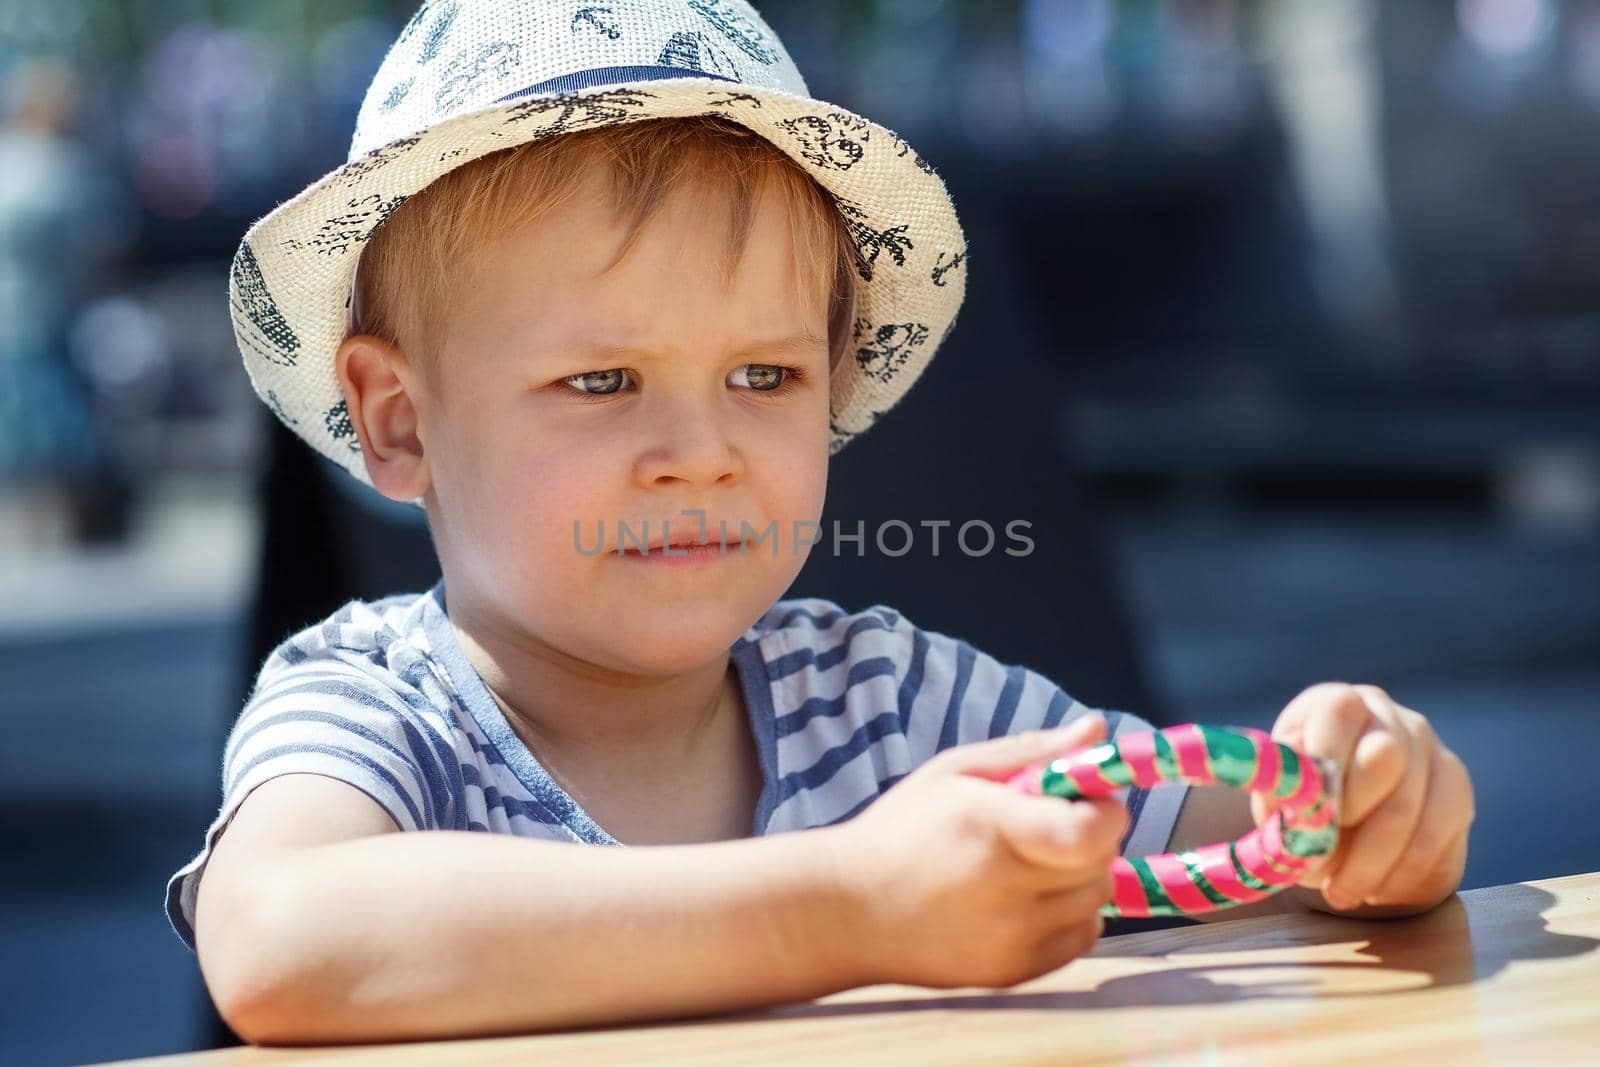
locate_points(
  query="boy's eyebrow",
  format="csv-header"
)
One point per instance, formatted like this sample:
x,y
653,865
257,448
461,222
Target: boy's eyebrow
x,y
806,338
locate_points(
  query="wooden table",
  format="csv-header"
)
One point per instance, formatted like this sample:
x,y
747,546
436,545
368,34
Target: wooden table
x,y
1508,975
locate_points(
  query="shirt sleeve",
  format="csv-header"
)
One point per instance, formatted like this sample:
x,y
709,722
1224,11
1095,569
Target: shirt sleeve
x,y
954,694
318,708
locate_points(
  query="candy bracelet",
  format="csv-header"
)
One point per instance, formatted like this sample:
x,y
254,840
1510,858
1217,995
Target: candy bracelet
x,y
1264,861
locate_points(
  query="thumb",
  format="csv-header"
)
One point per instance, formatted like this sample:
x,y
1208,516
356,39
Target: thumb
x,y
1077,835
1002,757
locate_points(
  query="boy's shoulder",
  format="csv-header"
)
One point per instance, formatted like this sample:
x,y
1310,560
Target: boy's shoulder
x,y
387,633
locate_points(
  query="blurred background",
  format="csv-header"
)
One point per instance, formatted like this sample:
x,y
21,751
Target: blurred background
x,y
1283,327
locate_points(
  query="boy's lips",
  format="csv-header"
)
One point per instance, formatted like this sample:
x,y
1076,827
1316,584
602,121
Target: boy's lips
x,y
688,540
682,534
692,551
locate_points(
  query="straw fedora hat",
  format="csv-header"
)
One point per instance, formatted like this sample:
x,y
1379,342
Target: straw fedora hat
x,y
469,77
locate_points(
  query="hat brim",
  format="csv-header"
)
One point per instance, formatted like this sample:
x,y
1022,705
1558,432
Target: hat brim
x,y
290,284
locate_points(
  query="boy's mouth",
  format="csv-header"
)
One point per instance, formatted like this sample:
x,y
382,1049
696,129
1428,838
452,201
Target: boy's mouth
x,y
687,550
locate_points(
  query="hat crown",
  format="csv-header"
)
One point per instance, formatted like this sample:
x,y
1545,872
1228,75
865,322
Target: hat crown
x,y
458,56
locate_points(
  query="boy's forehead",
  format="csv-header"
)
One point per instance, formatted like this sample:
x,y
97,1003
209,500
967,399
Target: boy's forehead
x,y
600,298
793,340
581,275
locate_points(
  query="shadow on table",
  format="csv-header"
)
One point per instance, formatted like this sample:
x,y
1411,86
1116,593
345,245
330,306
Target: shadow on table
x,y
1449,946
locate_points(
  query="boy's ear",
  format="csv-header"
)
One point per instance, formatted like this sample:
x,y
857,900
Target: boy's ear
x,y
380,391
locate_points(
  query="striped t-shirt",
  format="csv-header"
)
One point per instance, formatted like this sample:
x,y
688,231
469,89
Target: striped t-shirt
x,y
842,706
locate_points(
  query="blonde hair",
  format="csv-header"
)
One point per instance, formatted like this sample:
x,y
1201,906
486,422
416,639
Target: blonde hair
x,y
408,266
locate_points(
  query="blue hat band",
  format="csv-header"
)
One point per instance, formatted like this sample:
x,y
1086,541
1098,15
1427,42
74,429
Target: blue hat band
x,y
589,79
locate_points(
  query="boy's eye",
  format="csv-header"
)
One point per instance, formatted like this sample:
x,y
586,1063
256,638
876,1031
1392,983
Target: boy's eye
x,y
598,382
760,376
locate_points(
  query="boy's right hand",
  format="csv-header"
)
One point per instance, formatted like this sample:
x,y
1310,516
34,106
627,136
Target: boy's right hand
x,y
959,880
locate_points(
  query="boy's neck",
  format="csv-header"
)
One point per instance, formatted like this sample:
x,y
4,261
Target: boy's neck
x,y
642,729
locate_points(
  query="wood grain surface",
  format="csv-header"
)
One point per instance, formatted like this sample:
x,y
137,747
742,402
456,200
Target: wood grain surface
x,y
1504,975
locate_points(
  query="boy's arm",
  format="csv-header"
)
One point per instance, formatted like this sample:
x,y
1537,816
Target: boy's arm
x,y
317,921
1211,814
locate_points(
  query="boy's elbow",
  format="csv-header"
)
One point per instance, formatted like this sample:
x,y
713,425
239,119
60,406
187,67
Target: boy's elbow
x,y
254,971
267,1006
256,1013
271,1005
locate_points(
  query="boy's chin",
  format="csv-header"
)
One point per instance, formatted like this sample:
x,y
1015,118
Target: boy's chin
x,y
674,642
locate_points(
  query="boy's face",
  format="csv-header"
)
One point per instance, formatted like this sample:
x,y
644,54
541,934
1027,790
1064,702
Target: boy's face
x,y
517,451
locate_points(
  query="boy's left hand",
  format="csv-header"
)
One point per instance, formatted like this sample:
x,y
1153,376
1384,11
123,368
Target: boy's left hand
x,y
1405,803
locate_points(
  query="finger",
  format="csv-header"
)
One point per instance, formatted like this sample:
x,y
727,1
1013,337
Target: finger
x,y
1392,742
1343,723
1062,947
1445,878
1325,720
1309,704
1432,864
1080,926
1339,715
1427,886
1085,896
1071,839
1383,838
1000,758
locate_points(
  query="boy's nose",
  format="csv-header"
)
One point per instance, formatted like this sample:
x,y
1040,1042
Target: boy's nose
x,y
690,443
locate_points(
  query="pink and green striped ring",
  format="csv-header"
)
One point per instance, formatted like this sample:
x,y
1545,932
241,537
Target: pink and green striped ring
x,y
1270,858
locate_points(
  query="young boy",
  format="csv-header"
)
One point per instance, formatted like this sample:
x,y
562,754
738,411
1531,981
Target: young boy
x,y
632,288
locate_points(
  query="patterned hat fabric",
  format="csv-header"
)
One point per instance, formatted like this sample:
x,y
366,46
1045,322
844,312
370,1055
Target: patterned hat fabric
x,y
470,77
